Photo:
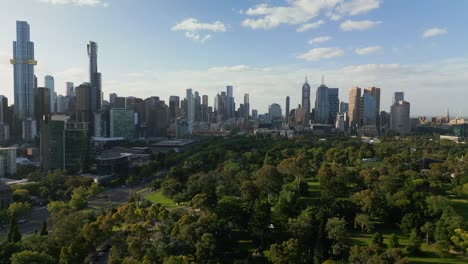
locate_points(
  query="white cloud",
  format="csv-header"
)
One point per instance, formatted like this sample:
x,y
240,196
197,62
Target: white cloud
x,y
236,68
357,7
368,50
302,11
435,31
191,26
350,25
320,39
308,26
321,53
77,2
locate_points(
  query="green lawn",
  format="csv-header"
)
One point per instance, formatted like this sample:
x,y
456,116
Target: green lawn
x,y
314,188
461,206
158,198
428,254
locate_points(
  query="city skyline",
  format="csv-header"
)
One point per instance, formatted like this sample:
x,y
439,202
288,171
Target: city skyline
x,y
268,79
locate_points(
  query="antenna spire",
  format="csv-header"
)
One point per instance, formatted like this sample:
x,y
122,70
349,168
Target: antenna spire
x,y
306,78
323,79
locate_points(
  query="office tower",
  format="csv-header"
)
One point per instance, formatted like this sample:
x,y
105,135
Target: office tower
x,y
42,103
23,70
94,76
205,100
246,106
197,106
384,121
83,97
333,104
182,128
70,89
50,84
230,105
344,107
122,123
286,115
322,106
205,109
174,104
275,111
190,109
340,123
158,119
368,113
7,162
254,113
4,120
375,92
300,116
400,117
112,99
64,144
3,109
397,97
306,101
354,111
35,82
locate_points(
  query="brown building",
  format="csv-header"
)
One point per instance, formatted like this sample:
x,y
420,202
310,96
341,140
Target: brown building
x,y
354,110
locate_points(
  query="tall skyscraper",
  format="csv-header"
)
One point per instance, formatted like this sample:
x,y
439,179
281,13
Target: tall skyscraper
x,y
50,84
306,101
94,76
397,97
322,106
286,116
375,92
23,71
354,110
368,113
230,106
70,89
190,109
174,104
333,104
246,106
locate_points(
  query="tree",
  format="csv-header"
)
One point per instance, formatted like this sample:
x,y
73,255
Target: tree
x,y
21,195
378,240
394,241
364,222
78,200
428,230
414,243
460,239
56,206
336,231
31,257
206,247
269,179
14,234
259,221
19,209
289,251
44,231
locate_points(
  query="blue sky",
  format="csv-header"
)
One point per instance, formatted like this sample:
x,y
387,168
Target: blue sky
x,y
160,48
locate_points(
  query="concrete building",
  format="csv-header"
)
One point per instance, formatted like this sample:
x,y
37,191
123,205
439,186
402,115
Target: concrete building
x,y
400,117
122,123
7,162
354,111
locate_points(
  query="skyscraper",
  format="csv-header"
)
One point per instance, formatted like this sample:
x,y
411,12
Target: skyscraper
x,y
397,97
368,106
70,89
246,106
286,116
354,107
23,71
400,117
375,92
49,84
230,106
333,104
174,103
94,76
306,101
190,109
321,105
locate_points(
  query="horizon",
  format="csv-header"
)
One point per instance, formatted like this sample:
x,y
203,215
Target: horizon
x,y
171,52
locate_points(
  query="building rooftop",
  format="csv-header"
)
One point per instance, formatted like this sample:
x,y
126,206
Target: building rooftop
x,y
174,143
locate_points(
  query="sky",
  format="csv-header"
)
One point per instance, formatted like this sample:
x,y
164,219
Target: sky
x,y
262,47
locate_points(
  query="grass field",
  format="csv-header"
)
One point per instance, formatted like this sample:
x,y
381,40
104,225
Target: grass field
x,y
158,198
461,206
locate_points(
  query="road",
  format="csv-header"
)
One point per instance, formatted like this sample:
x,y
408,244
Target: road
x,y
33,222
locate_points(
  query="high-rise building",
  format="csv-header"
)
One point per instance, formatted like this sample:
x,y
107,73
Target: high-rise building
x,y
254,113
190,105
286,115
94,76
246,106
112,99
7,162
50,84
83,97
354,111
42,103
344,107
197,106
333,104
368,113
4,120
3,109
122,123
397,97
322,106
205,109
174,104
375,92
275,111
70,89
400,117
230,104
23,70
306,101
